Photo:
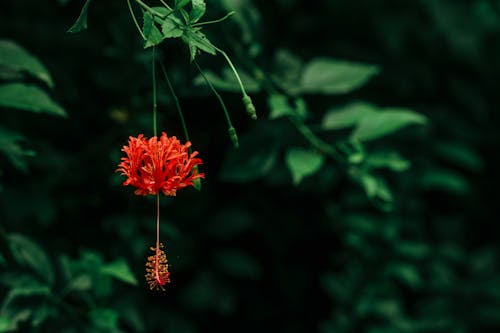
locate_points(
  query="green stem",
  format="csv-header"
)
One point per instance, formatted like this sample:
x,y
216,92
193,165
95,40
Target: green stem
x,y
157,225
135,19
231,130
166,5
316,142
155,131
242,88
149,9
247,101
214,21
176,101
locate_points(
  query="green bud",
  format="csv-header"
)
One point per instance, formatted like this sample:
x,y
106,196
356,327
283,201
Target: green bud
x,y
249,107
197,181
234,137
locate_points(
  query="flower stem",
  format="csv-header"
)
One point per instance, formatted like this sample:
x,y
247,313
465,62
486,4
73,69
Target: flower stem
x,y
176,101
157,222
155,131
157,248
149,9
247,101
135,19
214,21
316,142
166,5
231,130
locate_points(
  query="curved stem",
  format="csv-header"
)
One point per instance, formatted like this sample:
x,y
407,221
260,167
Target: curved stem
x,y
135,19
315,141
157,248
214,21
149,9
232,131
157,222
166,5
155,132
176,101
242,88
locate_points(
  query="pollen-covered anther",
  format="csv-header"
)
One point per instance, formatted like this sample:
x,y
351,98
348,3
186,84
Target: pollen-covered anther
x,y
157,274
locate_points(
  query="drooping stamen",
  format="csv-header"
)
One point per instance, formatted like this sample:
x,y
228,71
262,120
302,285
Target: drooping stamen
x,y
157,274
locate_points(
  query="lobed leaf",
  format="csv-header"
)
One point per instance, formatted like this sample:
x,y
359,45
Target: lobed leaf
x,y
198,10
171,27
150,31
181,3
197,40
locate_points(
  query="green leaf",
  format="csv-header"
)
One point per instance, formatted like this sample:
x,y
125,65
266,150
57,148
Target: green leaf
x,y
303,163
347,115
120,270
9,145
197,40
460,154
379,124
161,11
181,3
254,159
151,32
444,180
22,303
413,250
238,263
80,283
375,188
279,106
30,98
5,324
171,28
228,82
16,293
16,58
333,76
42,313
198,10
387,159
29,254
406,274
104,319
81,21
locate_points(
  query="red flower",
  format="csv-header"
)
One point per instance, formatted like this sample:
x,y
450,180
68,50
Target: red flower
x,y
165,165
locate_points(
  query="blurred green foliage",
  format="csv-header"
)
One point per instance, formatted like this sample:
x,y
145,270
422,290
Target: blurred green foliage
x,y
363,199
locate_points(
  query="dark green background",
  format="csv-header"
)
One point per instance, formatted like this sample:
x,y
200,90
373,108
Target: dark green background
x,y
263,254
